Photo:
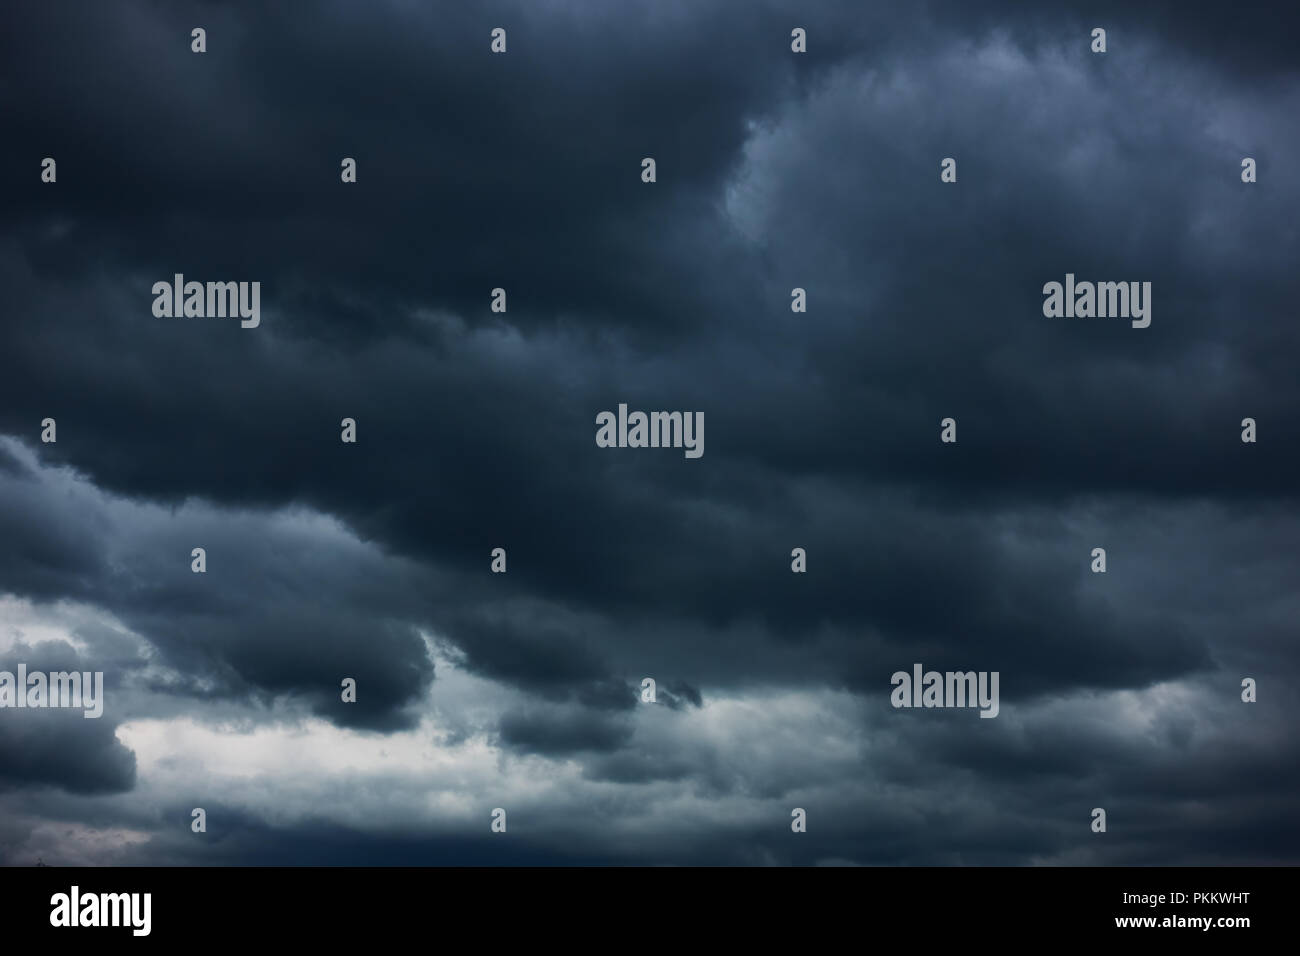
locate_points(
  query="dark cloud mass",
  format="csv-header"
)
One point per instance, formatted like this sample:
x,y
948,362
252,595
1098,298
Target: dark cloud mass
x,y
523,690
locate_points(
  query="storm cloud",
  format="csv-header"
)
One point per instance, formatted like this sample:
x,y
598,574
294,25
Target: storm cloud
x,y
775,170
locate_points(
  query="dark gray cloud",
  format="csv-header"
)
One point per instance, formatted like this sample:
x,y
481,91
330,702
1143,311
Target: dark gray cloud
x,y
60,747
521,171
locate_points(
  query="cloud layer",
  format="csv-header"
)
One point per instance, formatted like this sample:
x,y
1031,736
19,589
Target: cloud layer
x,y
521,690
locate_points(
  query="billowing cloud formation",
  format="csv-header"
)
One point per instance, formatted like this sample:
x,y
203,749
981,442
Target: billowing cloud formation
x,y
521,171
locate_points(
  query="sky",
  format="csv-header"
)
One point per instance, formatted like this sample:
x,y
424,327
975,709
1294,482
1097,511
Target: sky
x,y
476,430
